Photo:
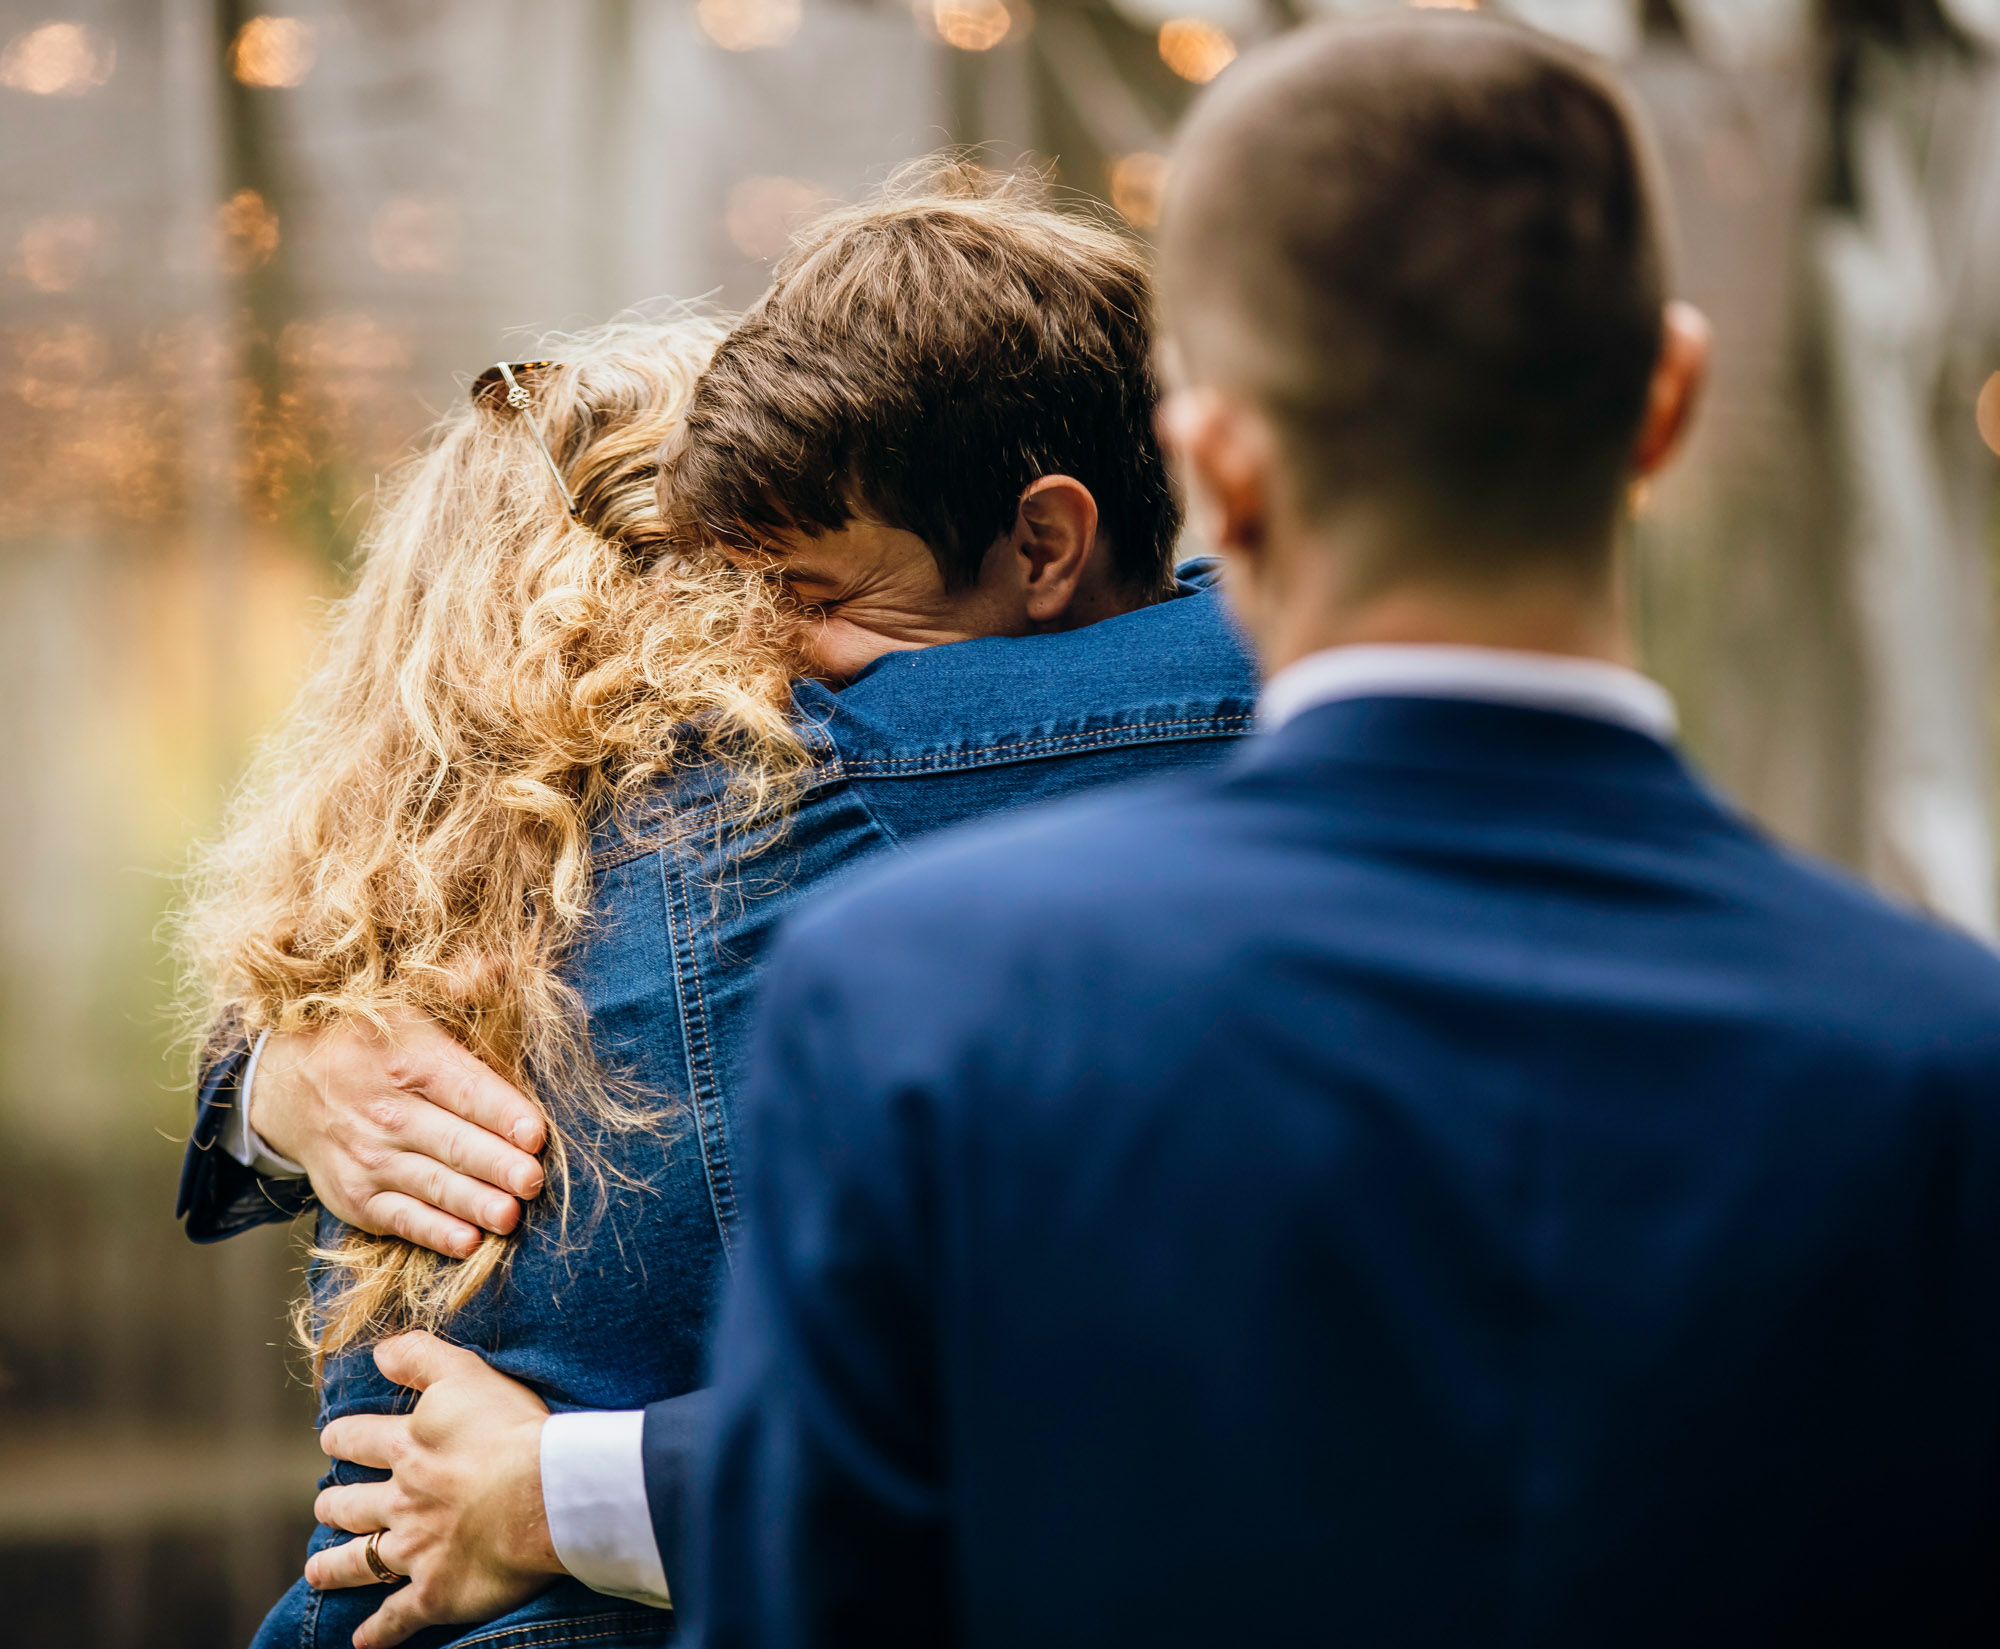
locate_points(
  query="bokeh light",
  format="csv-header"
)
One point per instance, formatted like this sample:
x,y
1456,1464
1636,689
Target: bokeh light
x,y
1989,412
246,233
749,25
414,235
58,60
973,25
58,363
56,252
344,343
1194,49
274,51
762,212
1138,182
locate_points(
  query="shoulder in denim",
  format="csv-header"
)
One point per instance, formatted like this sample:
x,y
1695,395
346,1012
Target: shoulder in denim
x,y
1173,671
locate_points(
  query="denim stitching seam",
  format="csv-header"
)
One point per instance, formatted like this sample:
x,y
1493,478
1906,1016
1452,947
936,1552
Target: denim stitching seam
x,y
561,1632
1055,744
701,1064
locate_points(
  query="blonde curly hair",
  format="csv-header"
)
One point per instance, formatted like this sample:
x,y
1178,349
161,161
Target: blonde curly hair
x,y
504,678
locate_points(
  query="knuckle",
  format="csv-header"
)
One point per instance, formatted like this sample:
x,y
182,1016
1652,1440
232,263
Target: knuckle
x,y
388,1114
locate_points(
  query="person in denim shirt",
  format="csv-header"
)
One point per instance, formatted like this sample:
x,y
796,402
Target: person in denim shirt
x,y
1103,677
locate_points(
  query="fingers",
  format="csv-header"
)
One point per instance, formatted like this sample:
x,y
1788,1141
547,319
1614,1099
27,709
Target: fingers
x,y
420,1360
444,1190
359,1508
394,1214
402,1613
366,1439
450,1076
339,1567
435,1131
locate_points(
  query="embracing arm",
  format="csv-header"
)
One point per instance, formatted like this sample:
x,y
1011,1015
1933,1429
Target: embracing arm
x,y
817,1509
221,1190
406,1134
490,1496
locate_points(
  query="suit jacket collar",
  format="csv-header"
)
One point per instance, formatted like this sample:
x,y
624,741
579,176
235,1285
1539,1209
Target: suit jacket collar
x,y
1537,759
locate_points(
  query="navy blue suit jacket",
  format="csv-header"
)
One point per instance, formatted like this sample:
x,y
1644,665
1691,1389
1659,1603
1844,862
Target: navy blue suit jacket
x,y
1440,1179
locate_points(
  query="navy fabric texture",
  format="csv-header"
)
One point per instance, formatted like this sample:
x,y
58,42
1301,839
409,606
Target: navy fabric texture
x,y
1439,1179
616,1310
218,1196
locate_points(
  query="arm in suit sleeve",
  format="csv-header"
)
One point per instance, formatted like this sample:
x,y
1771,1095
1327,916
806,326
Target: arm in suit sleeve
x,y
823,1487
615,1488
219,1194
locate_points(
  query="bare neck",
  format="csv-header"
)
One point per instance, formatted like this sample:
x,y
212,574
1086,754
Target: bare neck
x,y
1306,601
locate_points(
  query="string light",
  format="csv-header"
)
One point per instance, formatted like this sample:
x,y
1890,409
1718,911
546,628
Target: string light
x,y
275,52
246,233
57,252
1194,49
58,363
749,25
58,60
343,344
973,25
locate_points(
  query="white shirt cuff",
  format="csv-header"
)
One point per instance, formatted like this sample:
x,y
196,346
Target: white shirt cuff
x,y
594,1492
240,1140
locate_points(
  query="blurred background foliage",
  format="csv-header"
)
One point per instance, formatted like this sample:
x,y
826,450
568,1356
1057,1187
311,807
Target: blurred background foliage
x,y
245,256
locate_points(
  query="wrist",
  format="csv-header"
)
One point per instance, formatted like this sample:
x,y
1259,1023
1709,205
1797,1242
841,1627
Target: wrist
x,y
275,1096
530,1548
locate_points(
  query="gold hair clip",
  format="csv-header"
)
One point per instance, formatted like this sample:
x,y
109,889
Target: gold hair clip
x,y
486,391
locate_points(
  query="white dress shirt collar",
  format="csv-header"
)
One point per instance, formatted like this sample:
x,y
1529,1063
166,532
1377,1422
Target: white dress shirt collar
x,y
1490,675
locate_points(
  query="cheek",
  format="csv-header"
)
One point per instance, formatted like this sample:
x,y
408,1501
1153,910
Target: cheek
x,y
836,650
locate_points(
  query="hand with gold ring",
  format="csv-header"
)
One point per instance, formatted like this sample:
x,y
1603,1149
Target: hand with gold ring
x,y
371,1549
458,1528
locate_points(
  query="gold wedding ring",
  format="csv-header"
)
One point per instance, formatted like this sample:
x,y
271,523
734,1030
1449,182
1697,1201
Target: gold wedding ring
x,y
372,1551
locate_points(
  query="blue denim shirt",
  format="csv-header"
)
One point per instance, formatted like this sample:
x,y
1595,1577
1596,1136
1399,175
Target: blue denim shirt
x,y
615,1311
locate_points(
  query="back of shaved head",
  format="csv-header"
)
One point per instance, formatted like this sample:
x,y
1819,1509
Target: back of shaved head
x,y
1428,246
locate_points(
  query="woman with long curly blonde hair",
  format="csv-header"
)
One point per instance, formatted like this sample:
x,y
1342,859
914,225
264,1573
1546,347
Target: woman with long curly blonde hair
x,y
454,821
507,679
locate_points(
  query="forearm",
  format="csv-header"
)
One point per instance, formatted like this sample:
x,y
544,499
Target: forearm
x,y
239,1135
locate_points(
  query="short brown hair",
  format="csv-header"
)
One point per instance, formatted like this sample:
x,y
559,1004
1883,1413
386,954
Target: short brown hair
x,y
920,360
1429,246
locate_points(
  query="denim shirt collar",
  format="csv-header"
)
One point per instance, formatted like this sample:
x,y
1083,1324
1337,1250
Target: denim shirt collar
x,y
1174,670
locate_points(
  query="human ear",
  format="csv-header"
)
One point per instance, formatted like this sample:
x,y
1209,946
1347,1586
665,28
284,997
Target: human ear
x,y
1226,453
1686,343
1055,530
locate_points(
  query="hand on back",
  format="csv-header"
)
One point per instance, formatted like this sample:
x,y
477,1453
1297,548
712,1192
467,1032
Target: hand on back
x,y
405,1134
463,1505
